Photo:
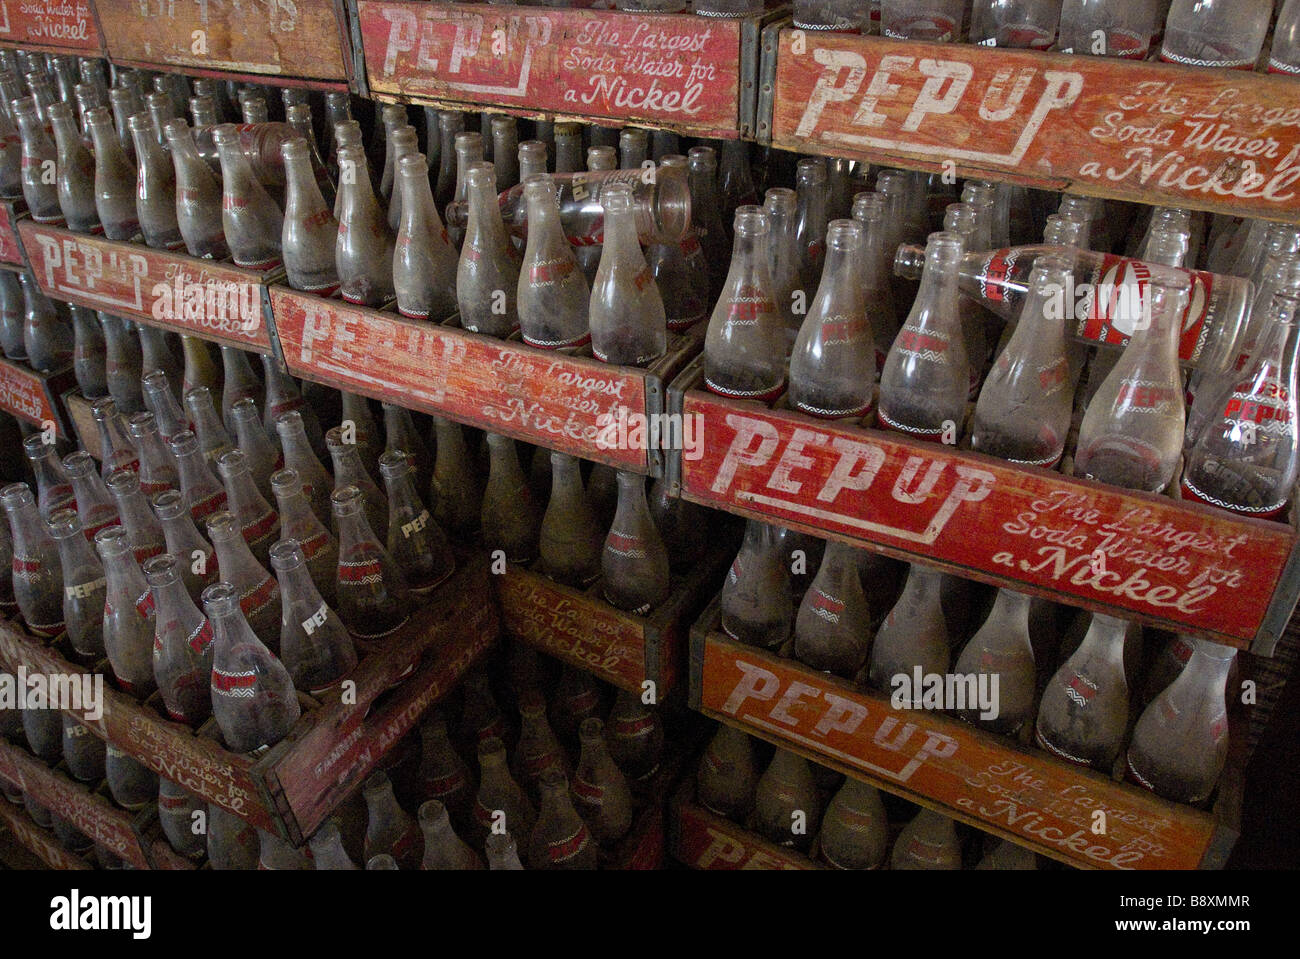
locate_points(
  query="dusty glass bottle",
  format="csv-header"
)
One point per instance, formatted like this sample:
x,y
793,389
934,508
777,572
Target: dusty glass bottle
x,y
203,493
308,230
1084,709
363,249
508,517
84,586
415,540
424,261
258,521
442,774
124,362
94,505
258,592
298,522
129,615
83,751
282,396
155,188
197,559
116,449
560,840
238,381
786,804
873,272
157,355
755,597
11,156
833,365
209,429
706,212
727,776
366,434
487,275
53,487
500,804
854,830
569,538
599,791
745,347
811,218
538,749
833,626
39,164
298,456
142,527
374,598
401,144
76,172
199,368
314,644
262,458
11,317
132,784
401,435
626,313
198,196
634,562
47,339
454,492
914,634
349,470
635,737
182,648
1002,648
176,815
929,841
443,849
253,699
553,297
115,177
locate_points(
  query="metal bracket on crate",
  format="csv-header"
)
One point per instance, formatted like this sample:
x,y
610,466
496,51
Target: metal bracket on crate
x,y
360,79
767,81
268,317
1280,607
654,406
675,404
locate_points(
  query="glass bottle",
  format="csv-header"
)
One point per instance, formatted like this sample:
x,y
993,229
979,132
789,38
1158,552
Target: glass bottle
x,y
363,250
443,849
238,382
501,852
116,451
401,144
43,730
727,776
833,626
132,784
232,842
561,840
393,117
11,317
83,751
47,340
156,353
308,230
155,188
327,850
416,542
199,368
39,164
1284,56
450,123
735,181
854,830
76,172
95,507
298,522
314,644
253,699
811,218
115,177
182,648
258,521
84,586
211,432
508,517
929,841
682,278
442,774
786,804
577,697
913,635
1024,408
706,217
553,297
925,381
369,442
500,805
129,614
202,492
198,196
634,562
197,559
1026,25
401,435
1132,431
454,492
599,791
1215,33
1002,648
258,592
1245,458
282,396
298,456
1180,743
11,157
142,527
1109,28
569,538
277,855
538,749
971,220
1084,709
635,737
373,596
53,487
833,366
261,457
873,271
124,363
350,471
487,275
424,261
755,597
626,314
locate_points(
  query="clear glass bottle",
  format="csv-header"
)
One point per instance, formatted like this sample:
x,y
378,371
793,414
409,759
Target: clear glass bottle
x,y
833,626
363,251
157,354
634,562
873,271
1227,34
508,518
538,749
47,340
299,456
262,458
298,522
929,841
327,850
401,435
913,634
786,804
373,596
116,450
84,586
1022,24
258,592
599,791
142,527
443,849
124,363
198,564
211,432
53,487
706,212
811,220
487,275
238,382
1284,56
282,396
561,840
745,347
253,699
131,784
129,615
155,188
454,492
569,538
501,804
553,296
424,261
401,144
199,368
626,314
11,317
1002,647
755,597
314,644
39,164
182,648
115,176
349,470
308,230
203,493
854,831
198,196
1084,709
369,440
83,751
257,519
505,150
415,540
232,842
442,774
95,507
76,172
727,776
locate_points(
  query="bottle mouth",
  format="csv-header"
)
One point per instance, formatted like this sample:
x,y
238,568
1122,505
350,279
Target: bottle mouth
x,y
286,554
394,463
184,442
15,495
219,599
346,500
431,812
112,540
78,464
160,570
122,481
169,504
64,523
284,480
670,213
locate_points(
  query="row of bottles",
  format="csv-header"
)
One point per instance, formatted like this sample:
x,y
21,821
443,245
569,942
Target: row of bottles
x,y
1081,710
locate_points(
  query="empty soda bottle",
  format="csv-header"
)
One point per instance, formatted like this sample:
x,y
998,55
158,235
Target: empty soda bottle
x,y
1024,408
11,157
199,368
213,439
487,276
273,853
76,174
11,317
501,852
442,774
924,384
132,784
415,541
577,697
634,562
1245,458
509,516
1215,33
1109,28
198,196
231,841
88,353
972,220
39,163
308,230
373,595
350,471
553,296
560,840
259,594
53,487
155,188
727,777
327,850
500,804
833,626
115,176
914,634
706,218
394,119
390,829
873,273
1180,743
401,435
253,699
238,382
84,585
469,150
755,597
811,218
538,749
424,261
833,366
260,457
443,849
47,340
929,841
1084,709
314,644
363,250
599,792
1132,430
635,737
43,729
854,831
298,456
401,144
83,751
298,522
569,538
786,804
203,493
157,468
1002,648
1024,24
124,363
257,519
198,564
142,528
182,648
129,614
94,505
626,313
745,346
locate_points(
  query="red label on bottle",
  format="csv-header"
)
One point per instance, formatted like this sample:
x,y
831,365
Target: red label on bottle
x,y
144,606
314,545
255,599
90,532
25,567
366,571
566,849
1080,689
171,803
922,343
441,786
643,279
589,792
533,766
625,544
151,490
147,552
749,309
632,728
200,638
259,529
826,606
241,685
208,505
550,271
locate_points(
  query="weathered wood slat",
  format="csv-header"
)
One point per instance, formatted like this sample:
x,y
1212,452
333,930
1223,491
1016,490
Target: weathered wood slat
x,y
704,840
51,26
11,250
41,842
32,396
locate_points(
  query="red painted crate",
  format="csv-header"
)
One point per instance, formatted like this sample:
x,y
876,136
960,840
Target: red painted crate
x,y
35,397
701,839
51,26
41,842
11,249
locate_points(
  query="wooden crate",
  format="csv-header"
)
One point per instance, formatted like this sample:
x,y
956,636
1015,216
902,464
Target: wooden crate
x,y
41,842
291,788
51,26
552,399
292,42
701,839
34,397
986,780
582,629
11,248
216,301
1221,140
1176,565
670,70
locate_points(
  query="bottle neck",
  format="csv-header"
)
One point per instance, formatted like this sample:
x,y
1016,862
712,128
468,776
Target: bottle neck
x,y
302,195
749,269
1104,641
419,212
